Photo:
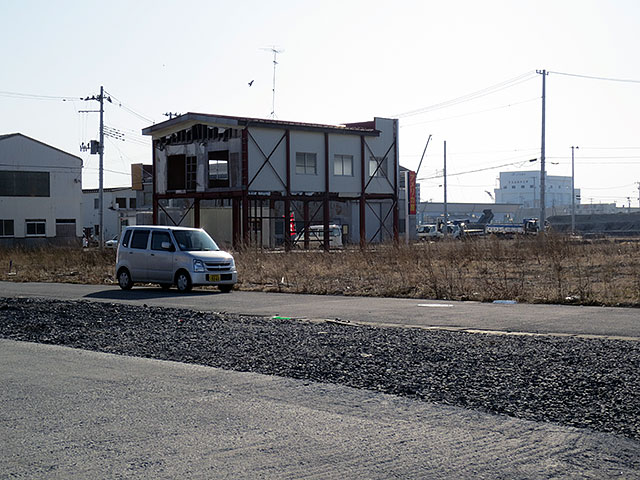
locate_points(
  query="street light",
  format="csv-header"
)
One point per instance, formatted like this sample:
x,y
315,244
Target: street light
x,y
573,193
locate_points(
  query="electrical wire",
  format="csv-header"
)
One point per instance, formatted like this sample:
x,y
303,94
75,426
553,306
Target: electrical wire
x,y
130,110
30,96
479,169
471,113
590,77
471,96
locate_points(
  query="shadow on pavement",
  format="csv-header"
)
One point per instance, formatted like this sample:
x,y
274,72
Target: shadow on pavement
x,y
148,293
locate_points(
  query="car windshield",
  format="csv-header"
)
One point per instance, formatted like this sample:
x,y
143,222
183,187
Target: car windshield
x,y
194,240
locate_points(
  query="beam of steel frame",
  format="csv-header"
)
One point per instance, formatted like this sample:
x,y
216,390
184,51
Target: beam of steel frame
x,y
363,199
154,194
325,200
243,205
287,185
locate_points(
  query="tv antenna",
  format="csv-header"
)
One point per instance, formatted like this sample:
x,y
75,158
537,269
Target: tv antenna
x,y
275,52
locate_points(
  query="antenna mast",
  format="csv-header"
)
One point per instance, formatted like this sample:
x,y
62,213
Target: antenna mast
x,y
275,52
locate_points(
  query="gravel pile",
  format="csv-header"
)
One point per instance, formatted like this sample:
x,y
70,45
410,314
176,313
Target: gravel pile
x,y
589,383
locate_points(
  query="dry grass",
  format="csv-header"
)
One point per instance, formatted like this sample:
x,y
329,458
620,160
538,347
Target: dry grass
x,y
552,269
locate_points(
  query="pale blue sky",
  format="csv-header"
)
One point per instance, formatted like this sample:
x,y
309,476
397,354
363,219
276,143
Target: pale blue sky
x,y
342,61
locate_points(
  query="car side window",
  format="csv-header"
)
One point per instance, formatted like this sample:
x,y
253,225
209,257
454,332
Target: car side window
x,y
139,239
125,240
157,238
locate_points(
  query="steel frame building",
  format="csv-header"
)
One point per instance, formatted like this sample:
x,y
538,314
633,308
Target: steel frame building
x,y
265,170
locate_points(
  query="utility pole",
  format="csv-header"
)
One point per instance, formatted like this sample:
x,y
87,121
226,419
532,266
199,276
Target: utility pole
x,y
573,193
446,213
543,172
101,167
100,148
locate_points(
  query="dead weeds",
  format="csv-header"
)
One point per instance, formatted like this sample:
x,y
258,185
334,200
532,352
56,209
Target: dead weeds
x,y
549,269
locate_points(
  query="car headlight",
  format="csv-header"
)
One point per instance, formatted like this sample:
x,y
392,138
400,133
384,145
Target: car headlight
x,y
232,265
198,266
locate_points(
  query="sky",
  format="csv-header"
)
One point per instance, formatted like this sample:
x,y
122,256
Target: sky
x,y
460,71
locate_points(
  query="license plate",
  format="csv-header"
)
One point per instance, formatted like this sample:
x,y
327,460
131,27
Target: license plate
x,y
213,278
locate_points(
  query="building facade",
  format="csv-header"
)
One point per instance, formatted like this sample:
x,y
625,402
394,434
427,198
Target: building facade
x,y
523,188
123,206
264,181
40,193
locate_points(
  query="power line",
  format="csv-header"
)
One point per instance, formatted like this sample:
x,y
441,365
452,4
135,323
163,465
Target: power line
x,y
31,96
608,79
471,96
130,110
480,169
470,113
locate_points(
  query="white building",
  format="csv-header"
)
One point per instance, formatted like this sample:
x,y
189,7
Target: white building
x,y
123,206
40,193
120,207
523,188
243,178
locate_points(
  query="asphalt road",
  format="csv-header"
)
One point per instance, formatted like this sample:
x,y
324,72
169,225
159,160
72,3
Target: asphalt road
x,y
536,319
74,414
77,414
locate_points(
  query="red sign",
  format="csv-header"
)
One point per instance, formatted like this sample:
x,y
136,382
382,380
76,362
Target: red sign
x,y
412,193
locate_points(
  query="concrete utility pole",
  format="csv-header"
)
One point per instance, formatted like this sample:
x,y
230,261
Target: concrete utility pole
x,y
446,213
100,151
543,172
573,193
101,167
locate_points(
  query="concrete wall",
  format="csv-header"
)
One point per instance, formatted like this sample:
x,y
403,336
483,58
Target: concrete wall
x,y
21,153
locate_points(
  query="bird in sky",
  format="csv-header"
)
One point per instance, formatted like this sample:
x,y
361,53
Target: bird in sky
x,y
251,83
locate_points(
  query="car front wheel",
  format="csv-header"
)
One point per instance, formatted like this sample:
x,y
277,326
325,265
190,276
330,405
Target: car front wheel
x,y
183,281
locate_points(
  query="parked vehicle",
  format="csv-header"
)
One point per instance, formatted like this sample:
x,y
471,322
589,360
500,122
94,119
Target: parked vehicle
x,y
528,226
112,243
169,255
423,232
316,237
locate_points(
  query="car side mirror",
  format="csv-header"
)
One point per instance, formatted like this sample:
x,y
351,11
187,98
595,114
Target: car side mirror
x,y
168,246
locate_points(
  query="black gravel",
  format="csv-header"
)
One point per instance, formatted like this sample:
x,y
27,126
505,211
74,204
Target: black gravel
x,y
589,383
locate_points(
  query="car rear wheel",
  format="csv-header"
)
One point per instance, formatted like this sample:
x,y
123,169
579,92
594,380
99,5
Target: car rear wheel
x,y
124,279
183,281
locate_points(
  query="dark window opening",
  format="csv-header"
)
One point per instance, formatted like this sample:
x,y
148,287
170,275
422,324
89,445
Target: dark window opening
x,y
132,203
24,184
6,228
176,172
36,227
121,202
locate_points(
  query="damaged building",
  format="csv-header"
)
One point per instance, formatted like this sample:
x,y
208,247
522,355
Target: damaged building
x,y
265,182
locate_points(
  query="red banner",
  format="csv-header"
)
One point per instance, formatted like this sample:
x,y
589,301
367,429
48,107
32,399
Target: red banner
x,y
412,193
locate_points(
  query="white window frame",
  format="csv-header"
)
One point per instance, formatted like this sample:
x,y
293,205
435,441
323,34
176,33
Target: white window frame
x,y
339,162
306,163
36,222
